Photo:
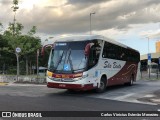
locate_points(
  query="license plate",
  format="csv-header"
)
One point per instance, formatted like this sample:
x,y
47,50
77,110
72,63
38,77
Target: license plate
x,y
62,85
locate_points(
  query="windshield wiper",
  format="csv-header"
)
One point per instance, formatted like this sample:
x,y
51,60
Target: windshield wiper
x,y
59,61
70,61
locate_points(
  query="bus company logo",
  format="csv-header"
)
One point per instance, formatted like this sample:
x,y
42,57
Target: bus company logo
x,y
107,64
114,65
6,114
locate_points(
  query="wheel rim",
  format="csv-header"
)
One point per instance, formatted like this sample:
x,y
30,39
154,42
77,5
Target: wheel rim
x,y
101,85
132,80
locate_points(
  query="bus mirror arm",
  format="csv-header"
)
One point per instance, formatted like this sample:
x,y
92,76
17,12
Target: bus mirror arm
x,y
46,46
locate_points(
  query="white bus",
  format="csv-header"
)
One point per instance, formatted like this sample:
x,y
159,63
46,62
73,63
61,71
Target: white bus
x,y
91,62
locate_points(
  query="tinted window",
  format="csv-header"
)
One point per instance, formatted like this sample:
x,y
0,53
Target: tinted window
x,y
119,53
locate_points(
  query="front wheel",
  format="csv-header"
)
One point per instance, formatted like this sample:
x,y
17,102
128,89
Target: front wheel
x,y
102,86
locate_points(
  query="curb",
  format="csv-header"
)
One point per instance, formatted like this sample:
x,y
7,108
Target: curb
x,y
21,84
3,83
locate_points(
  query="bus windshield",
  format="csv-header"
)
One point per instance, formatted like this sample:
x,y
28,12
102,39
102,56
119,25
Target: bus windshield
x,y
68,57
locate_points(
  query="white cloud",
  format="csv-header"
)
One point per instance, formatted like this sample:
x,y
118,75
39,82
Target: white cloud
x,y
72,16
153,34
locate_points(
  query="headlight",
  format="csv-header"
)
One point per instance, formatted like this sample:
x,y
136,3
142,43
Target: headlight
x,y
80,78
84,76
76,79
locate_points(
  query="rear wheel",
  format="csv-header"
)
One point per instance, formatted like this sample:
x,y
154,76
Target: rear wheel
x,y
102,86
130,83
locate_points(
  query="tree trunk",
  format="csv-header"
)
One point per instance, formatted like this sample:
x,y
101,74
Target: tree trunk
x,y
30,70
26,65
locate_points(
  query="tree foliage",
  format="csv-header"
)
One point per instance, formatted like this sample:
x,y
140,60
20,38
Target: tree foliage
x,y
12,38
27,42
15,5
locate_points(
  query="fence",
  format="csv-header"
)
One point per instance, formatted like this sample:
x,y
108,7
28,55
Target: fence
x,y
151,72
22,79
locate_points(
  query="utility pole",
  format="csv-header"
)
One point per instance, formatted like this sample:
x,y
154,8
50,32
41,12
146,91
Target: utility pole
x,y
149,60
37,63
91,22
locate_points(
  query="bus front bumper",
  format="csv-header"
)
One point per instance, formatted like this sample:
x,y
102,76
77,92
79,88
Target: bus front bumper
x,y
70,86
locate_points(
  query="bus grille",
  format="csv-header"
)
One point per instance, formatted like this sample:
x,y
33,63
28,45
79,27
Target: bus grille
x,y
64,80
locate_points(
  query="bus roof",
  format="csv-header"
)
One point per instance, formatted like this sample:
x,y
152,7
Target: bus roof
x,y
90,37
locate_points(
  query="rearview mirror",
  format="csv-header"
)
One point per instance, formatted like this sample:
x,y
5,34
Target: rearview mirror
x,y
43,48
87,49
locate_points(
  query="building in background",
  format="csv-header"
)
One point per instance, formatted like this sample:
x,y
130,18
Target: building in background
x,y
157,46
155,57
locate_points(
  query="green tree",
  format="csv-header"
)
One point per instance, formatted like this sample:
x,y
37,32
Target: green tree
x,y
29,46
1,26
32,31
13,38
15,8
5,56
28,43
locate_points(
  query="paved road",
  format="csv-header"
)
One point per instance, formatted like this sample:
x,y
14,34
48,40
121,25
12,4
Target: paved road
x,y
141,89
41,98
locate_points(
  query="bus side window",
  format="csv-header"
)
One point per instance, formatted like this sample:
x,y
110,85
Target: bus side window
x,y
104,54
94,54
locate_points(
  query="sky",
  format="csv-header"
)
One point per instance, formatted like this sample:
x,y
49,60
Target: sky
x,y
130,22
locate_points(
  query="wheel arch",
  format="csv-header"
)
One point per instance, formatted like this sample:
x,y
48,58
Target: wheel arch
x,y
104,76
101,86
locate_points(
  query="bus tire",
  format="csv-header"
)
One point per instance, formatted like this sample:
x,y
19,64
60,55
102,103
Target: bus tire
x,y
103,85
130,83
